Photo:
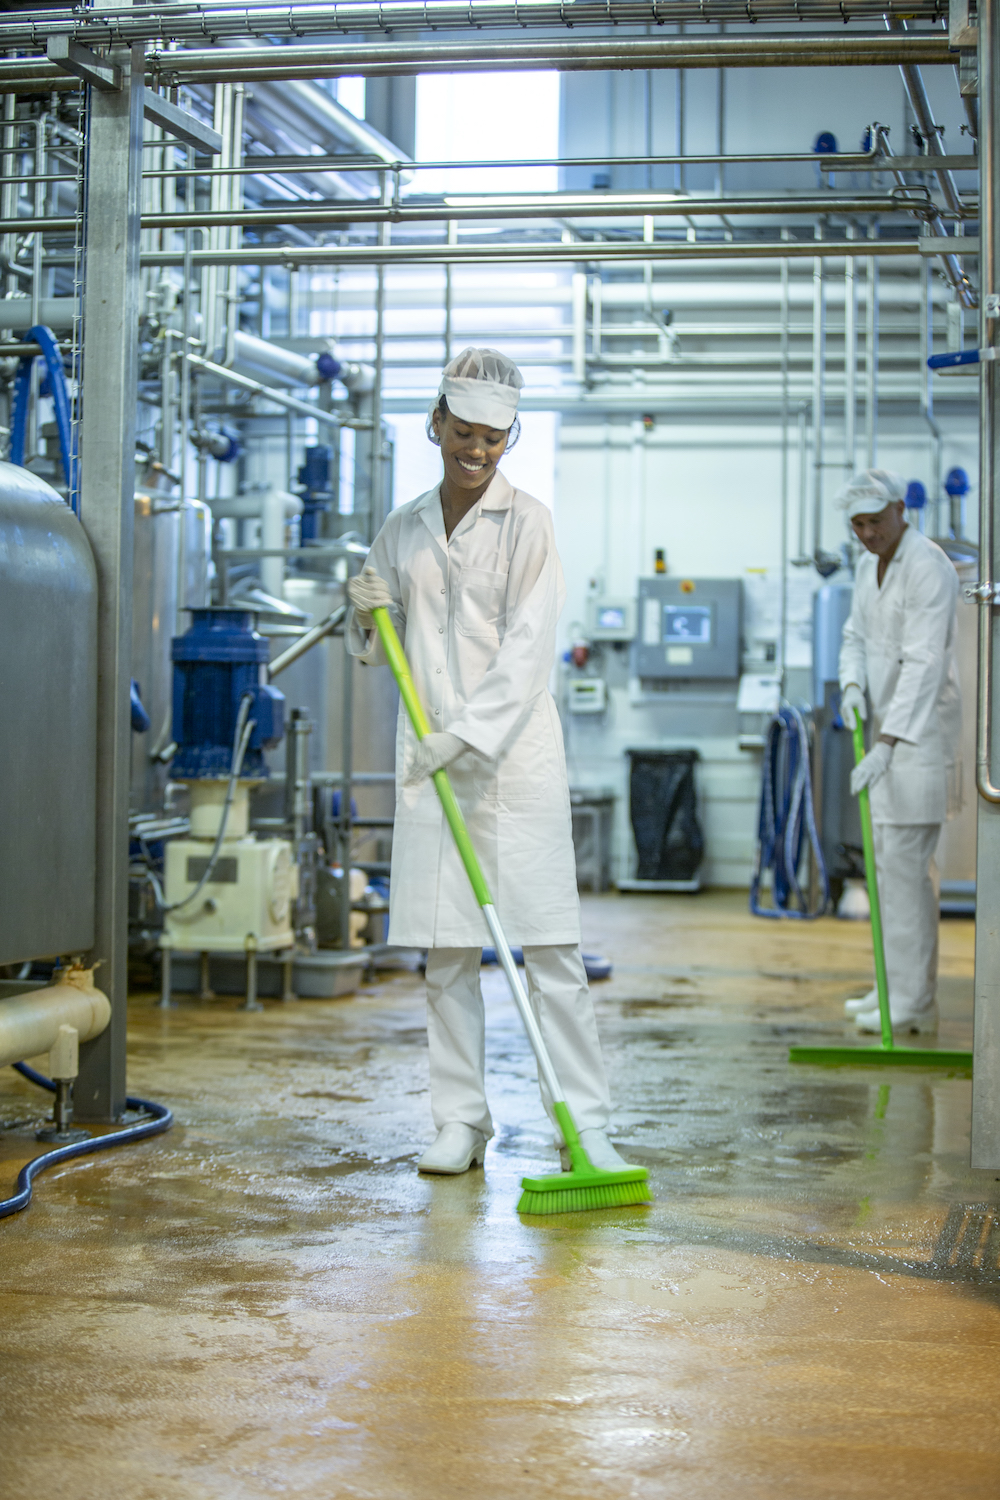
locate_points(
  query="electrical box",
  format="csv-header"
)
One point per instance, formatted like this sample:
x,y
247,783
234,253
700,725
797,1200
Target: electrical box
x,y
587,695
610,619
688,627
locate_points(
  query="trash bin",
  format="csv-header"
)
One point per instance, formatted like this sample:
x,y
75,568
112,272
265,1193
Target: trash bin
x,y
664,812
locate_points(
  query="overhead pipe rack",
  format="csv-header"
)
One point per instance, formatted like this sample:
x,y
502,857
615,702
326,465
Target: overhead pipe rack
x,y
216,22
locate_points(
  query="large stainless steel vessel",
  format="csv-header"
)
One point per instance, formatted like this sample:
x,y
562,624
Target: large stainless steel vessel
x,y
48,723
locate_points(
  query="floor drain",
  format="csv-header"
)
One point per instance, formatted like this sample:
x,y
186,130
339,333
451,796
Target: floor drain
x,y
969,1243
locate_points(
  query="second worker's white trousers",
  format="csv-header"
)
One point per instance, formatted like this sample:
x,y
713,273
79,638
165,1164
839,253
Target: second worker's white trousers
x,y
456,1034
908,890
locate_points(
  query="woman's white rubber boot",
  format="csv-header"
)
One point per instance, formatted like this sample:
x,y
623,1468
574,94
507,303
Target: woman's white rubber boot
x,y
862,1003
600,1150
457,1148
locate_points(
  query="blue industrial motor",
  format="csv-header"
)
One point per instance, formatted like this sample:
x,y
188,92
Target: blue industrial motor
x,y
314,477
219,659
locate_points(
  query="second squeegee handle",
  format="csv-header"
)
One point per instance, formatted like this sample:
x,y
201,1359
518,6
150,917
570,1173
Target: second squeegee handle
x,y
868,843
400,667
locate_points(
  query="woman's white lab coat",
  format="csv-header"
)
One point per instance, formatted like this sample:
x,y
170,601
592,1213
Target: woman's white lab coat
x,y
477,617
899,643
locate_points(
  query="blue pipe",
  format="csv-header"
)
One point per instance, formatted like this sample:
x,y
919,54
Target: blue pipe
x,y
961,357
60,397
786,818
161,1118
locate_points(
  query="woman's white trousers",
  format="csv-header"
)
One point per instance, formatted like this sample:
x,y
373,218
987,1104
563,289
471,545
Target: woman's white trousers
x,y
456,1034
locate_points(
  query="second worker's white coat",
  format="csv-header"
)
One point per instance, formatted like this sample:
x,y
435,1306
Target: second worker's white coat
x,y
899,643
477,617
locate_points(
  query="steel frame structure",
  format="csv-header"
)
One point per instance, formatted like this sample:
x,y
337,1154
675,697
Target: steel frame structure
x,y
114,264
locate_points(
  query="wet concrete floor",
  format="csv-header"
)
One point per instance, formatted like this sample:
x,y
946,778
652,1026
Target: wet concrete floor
x,y
269,1301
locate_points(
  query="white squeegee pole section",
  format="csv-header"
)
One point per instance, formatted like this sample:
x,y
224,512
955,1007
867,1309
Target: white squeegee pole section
x,y
523,1004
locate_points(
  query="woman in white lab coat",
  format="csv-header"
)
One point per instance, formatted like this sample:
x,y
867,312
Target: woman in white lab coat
x,y
899,645
471,576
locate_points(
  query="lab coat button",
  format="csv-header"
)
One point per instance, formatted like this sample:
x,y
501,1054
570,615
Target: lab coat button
x,y
437,711
440,670
440,630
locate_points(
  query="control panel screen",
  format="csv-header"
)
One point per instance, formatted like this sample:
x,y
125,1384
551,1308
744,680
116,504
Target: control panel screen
x,y
687,622
611,617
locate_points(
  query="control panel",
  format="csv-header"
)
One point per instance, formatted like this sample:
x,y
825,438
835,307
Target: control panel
x,y
688,627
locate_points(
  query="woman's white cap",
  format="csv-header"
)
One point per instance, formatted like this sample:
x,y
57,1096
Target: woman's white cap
x,y
481,385
871,491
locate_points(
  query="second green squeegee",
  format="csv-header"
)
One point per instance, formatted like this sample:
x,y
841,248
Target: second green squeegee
x,y
886,1054
584,1187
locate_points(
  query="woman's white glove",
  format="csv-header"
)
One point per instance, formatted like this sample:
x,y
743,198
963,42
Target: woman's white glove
x,y
874,766
852,701
434,752
368,592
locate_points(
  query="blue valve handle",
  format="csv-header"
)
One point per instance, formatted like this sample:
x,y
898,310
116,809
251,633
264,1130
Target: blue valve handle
x,y
961,357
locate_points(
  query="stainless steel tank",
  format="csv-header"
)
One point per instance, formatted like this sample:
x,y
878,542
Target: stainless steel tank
x,y
48,723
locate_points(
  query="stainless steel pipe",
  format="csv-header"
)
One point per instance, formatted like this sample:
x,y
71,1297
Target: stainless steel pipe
x,y
306,642
386,59
508,206
443,253
989,436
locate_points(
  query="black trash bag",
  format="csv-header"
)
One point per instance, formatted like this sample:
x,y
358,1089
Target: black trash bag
x,y
664,812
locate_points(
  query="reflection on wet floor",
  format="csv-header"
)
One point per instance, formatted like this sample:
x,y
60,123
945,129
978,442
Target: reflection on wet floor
x,y
269,1300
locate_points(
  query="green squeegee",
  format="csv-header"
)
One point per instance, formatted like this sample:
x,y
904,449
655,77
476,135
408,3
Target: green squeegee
x,y
885,1053
584,1187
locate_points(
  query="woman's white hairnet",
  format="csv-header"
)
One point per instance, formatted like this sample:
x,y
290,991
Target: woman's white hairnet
x,y
871,491
480,385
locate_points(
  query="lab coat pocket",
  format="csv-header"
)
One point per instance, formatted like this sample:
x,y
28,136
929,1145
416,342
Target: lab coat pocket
x,y
482,604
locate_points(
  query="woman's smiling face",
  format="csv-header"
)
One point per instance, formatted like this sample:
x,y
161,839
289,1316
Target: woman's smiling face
x,y
470,451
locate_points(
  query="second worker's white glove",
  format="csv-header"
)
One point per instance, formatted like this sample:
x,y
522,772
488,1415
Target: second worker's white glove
x,y
367,592
852,701
874,766
434,752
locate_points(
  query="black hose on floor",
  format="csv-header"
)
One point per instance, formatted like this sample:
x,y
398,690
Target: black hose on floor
x,y
161,1119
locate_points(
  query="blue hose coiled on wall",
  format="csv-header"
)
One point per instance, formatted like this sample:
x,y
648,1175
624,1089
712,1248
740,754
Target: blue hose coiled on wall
x,y
787,817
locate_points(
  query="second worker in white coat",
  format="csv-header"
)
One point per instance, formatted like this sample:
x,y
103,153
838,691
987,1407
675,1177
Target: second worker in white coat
x,y
899,645
470,575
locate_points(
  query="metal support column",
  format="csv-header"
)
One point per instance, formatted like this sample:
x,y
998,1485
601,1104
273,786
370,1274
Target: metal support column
x,y
818,397
107,487
986,1057
850,362
871,358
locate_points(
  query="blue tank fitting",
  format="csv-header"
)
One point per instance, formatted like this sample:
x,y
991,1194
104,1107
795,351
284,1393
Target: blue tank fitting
x,y
327,367
957,483
216,661
916,495
825,143
314,477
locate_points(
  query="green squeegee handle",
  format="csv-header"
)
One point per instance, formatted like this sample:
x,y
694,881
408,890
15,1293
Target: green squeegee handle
x,y
400,667
868,842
